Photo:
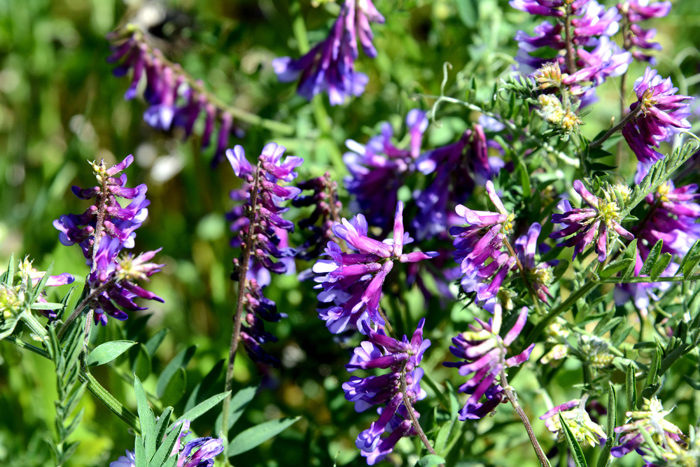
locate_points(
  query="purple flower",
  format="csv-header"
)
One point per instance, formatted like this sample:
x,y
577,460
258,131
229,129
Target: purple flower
x,y
199,452
119,222
662,114
253,335
479,248
484,353
402,358
456,174
378,169
115,279
636,11
325,201
175,100
263,181
585,430
13,296
593,224
125,461
651,419
539,275
352,282
330,65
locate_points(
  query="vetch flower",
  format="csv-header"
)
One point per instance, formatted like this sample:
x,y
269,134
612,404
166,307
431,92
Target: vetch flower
x,y
484,351
125,461
479,247
253,335
378,169
651,418
661,113
352,282
539,275
585,430
118,222
599,223
330,65
636,11
325,200
402,358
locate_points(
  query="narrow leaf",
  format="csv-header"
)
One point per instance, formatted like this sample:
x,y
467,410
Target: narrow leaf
x,y
238,404
166,447
176,388
574,447
146,417
203,408
660,266
430,460
204,387
255,436
108,351
155,341
651,258
180,361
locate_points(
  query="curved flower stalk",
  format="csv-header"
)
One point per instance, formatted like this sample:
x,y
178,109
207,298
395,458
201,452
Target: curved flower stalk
x,y
484,353
634,36
326,204
585,52
539,275
456,175
392,390
479,248
379,168
175,99
113,220
585,430
599,223
352,282
266,237
658,114
330,65
651,418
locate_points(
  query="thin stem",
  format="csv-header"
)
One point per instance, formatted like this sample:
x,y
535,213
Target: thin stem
x,y
240,114
530,432
523,274
237,319
82,305
616,128
412,414
568,38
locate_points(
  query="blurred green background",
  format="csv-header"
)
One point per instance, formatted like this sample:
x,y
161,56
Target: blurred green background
x,y
60,106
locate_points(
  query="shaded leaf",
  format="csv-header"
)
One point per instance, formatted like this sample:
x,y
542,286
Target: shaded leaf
x,y
255,436
108,351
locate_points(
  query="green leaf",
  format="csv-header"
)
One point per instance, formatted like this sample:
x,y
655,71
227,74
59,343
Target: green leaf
x,y
8,276
203,408
176,388
166,447
238,404
468,12
660,266
443,434
454,401
615,267
155,341
630,253
692,383
430,460
560,269
142,363
255,436
203,387
108,351
574,447
180,361
631,389
163,423
146,417
7,326
651,258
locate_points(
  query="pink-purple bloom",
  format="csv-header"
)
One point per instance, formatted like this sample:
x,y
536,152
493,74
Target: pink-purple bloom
x,y
483,352
480,248
379,168
539,274
330,65
661,113
598,223
402,358
636,11
352,282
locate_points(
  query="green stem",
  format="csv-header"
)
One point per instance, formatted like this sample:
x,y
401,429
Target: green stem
x,y
616,128
35,326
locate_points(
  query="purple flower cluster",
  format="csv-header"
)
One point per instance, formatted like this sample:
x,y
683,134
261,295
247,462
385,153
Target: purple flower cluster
x,y
267,237
325,201
660,114
262,182
636,11
538,274
118,222
479,248
112,278
484,353
352,282
596,56
175,100
599,223
574,413
378,169
330,65
402,358
456,175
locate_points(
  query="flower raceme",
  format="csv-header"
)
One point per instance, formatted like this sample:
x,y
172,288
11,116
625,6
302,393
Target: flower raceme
x,y
636,11
599,223
484,351
585,430
479,248
352,282
330,65
539,275
402,358
660,114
